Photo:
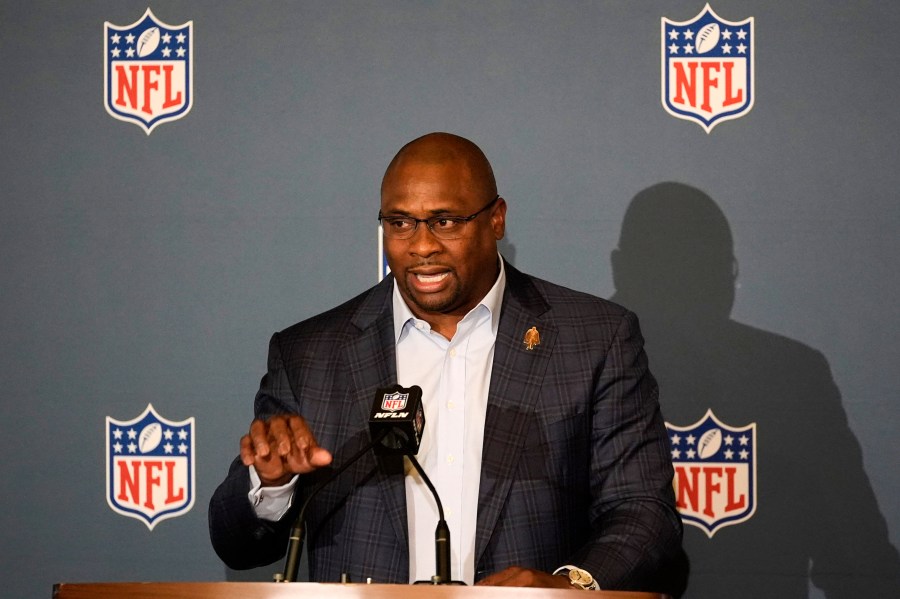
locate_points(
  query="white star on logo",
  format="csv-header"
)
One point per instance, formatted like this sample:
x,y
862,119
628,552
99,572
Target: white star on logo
x,y
168,447
180,52
115,38
132,448
182,448
688,34
726,49
742,49
129,38
118,447
180,37
729,454
691,439
166,38
744,454
688,49
741,34
726,35
182,434
117,433
166,52
676,454
673,34
129,52
744,439
676,440
132,434
168,434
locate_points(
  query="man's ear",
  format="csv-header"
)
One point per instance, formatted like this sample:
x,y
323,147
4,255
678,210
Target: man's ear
x,y
498,219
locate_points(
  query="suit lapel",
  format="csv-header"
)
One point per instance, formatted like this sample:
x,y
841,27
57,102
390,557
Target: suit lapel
x,y
515,385
371,360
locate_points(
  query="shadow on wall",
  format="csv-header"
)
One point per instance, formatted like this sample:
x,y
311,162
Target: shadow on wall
x,y
816,517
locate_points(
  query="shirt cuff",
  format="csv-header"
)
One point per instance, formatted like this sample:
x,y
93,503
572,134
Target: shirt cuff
x,y
270,503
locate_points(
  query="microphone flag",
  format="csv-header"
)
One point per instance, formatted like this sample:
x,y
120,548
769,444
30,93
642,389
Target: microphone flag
x,y
399,410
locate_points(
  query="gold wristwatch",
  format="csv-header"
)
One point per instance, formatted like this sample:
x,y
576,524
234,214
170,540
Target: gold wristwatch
x,y
578,577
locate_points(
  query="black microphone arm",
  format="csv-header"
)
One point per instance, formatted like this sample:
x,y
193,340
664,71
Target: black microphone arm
x,y
295,542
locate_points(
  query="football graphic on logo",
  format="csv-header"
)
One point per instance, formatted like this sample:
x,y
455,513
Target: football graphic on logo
x,y
707,38
709,443
150,437
148,42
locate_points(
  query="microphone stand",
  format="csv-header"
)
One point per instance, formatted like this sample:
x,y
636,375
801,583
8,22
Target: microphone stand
x,y
295,542
441,535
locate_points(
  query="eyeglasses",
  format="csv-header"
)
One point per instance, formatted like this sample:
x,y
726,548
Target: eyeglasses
x,y
442,226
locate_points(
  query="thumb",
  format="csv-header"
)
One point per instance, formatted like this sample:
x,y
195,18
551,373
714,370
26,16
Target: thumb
x,y
320,457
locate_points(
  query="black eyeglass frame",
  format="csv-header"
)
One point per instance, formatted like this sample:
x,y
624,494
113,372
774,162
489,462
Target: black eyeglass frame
x,y
431,221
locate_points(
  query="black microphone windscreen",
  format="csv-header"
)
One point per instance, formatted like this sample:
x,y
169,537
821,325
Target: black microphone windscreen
x,y
400,411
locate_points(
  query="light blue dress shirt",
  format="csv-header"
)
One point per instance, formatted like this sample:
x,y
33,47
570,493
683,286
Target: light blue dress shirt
x,y
455,377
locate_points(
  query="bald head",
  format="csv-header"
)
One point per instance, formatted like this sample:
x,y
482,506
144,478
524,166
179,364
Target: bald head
x,y
443,150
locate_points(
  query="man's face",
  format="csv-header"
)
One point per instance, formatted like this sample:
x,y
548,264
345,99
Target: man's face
x,y
438,277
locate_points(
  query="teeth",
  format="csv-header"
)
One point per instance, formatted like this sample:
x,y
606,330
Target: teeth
x,y
432,278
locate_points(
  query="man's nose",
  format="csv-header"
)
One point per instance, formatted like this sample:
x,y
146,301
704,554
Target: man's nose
x,y
423,241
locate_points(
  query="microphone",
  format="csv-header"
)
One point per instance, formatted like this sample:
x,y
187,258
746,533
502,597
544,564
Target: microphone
x,y
396,424
295,541
441,536
401,413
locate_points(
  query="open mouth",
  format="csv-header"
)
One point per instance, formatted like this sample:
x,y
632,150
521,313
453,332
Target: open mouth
x,y
430,279
429,282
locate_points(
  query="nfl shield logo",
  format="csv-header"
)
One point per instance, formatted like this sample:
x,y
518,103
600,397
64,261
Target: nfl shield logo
x,y
394,402
707,68
150,467
148,71
715,472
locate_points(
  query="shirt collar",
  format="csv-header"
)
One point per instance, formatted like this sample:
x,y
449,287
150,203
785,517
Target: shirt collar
x,y
493,301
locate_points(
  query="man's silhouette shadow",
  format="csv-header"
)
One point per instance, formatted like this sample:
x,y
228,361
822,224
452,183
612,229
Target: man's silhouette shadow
x,y
817,517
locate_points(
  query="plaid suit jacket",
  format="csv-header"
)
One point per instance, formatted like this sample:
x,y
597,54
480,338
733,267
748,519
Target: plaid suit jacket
x,y
576,466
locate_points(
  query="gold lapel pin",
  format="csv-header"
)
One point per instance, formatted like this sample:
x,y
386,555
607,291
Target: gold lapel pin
x,y
532,338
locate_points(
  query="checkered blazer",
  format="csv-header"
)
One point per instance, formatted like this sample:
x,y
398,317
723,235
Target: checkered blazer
x,y
576,467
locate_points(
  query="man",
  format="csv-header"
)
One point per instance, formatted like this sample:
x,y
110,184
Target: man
x,y
543,431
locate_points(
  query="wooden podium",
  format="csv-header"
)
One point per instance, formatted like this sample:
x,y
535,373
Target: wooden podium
x,y
304,590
